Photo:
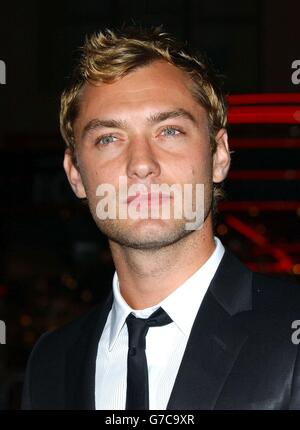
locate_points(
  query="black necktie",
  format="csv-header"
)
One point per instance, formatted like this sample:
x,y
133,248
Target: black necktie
x,y
137,396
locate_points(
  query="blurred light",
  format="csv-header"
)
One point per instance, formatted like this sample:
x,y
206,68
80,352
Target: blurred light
x,y
296,269
68,281
51,326
253,211
25,320
86,295
270,206
264,114
263,98
270,108
283,261
222,229
266,175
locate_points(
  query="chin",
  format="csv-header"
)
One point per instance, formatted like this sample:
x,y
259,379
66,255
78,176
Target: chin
x,y
145,234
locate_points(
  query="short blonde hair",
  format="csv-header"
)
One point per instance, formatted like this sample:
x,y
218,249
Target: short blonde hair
x,y
110,55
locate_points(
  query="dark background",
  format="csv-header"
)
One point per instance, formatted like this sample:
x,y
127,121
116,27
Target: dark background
x,y
54,263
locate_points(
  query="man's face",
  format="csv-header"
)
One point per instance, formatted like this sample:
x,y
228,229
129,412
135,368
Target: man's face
x,y
148,128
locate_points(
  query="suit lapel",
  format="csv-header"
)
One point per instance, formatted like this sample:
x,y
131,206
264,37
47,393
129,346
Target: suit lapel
x,y
213,346
216,338
81,361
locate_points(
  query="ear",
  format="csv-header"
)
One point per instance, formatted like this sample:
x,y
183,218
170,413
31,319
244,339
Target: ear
x,y
221,157
73,175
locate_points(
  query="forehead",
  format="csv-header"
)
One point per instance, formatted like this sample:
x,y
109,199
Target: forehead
x,y
150,88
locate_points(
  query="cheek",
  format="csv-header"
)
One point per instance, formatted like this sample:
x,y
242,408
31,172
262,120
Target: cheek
x,y
90,176
200,161
201,171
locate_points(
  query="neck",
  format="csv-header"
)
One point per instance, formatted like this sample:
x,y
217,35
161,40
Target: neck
x,y
146,277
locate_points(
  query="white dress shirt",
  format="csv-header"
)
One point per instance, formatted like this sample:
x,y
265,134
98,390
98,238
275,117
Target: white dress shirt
x,y
165,345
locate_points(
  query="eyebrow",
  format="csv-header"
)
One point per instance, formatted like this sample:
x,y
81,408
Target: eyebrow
x,y
155,118
162,116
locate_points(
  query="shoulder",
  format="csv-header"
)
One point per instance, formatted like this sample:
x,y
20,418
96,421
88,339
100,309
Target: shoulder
x,y
55,352
271,293
263,292
55,343
275,311
68,333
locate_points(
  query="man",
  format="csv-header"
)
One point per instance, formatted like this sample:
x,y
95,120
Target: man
x,y
187,326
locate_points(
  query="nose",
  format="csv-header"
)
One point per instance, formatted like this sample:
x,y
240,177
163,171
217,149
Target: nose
x,y
142,161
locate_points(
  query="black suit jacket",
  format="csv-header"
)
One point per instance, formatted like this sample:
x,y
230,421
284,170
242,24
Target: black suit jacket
x,y
240,354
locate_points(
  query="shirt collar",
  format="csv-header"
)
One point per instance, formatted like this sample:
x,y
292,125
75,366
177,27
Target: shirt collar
x,y
181,305
121,310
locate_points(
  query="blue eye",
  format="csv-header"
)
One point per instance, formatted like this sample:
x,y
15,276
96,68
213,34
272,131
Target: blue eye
x,y
106,140
171,131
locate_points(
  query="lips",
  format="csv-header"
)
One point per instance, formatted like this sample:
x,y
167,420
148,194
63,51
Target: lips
x,y
149,198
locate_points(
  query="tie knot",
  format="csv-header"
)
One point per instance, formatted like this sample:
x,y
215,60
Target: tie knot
x,y
158,318
138,327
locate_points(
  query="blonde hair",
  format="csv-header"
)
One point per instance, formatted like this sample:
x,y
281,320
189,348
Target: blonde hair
x,y
110,55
